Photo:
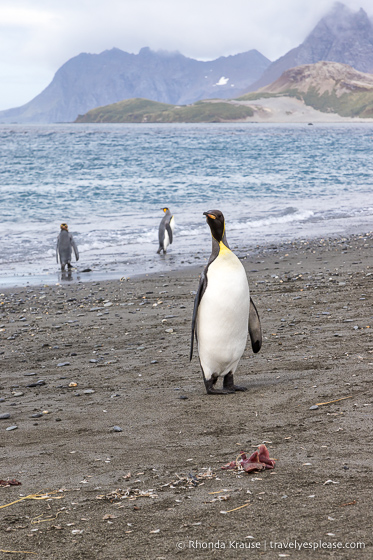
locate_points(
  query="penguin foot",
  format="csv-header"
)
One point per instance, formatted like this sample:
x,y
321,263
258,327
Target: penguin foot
x,y
229,385
211,390
239,388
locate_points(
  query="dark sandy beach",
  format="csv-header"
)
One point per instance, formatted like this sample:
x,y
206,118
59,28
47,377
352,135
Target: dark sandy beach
x,y
79,359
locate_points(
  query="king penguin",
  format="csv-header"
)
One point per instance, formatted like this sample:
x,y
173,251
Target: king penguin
x,y
223,312
165,232
64,247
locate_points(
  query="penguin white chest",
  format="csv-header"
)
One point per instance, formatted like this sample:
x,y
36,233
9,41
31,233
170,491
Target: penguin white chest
x,y
166,241
223,314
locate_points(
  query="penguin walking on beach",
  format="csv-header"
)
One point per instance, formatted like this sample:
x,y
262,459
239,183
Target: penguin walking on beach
x,y
65,245
166,229
224,313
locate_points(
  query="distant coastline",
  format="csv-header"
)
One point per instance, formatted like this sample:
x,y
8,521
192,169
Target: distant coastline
x,y
262,110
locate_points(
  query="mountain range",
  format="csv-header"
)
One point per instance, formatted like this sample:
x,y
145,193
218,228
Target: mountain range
x,y
304,93
88,81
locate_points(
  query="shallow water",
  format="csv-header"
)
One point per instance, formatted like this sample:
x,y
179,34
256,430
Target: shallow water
x,y
109,182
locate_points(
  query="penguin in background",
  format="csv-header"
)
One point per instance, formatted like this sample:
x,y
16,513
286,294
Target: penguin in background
x,y
65,245
224,313
165,232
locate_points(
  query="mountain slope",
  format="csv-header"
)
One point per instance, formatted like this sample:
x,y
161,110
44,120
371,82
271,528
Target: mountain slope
x,y
326,86
88,81
341,36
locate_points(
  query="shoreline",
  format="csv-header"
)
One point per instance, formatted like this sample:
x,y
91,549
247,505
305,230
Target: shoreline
x,y
173,264
108,415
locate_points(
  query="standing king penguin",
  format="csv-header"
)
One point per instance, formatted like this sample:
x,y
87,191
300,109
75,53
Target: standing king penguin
x,y
165,232
64,247
224,312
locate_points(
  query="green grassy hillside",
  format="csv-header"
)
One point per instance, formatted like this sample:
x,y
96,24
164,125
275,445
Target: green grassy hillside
x,y
146,111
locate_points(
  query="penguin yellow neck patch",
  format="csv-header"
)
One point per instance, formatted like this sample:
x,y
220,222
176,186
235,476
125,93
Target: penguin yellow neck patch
x,y
223,249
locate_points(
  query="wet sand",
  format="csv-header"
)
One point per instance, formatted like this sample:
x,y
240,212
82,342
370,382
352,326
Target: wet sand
x,y
113,428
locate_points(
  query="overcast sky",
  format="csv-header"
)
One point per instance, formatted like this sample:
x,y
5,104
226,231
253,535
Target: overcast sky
x,y
38,36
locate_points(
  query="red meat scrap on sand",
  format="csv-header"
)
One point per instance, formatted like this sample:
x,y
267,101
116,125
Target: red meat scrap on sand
x,y
12,482
258,461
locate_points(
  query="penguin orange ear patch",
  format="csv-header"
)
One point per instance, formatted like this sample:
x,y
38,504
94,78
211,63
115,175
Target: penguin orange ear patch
x,y
211,216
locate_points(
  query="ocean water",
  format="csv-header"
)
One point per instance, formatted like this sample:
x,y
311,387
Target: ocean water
x,y
274,183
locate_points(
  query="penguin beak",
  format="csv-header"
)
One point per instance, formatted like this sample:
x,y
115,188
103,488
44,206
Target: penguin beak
x,y
209,215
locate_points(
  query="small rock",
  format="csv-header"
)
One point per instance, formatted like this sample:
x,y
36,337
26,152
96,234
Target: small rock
x,y
117,429
11,428
29,374
154,362
88,391
62,364
4,416
36,415
37,384
93,361
17,394
314,407
169,330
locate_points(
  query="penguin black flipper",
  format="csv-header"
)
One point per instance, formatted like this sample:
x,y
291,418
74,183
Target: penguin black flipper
x,y
202,287
169,231
201,290
255,329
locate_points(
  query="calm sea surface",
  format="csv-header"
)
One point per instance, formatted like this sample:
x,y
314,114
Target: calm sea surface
x,y
109,182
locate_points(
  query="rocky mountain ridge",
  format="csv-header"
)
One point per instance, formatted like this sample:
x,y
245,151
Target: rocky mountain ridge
x,y
87,81
340,36
322,77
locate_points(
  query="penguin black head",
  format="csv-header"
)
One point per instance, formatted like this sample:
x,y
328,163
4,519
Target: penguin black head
x,y
215,220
